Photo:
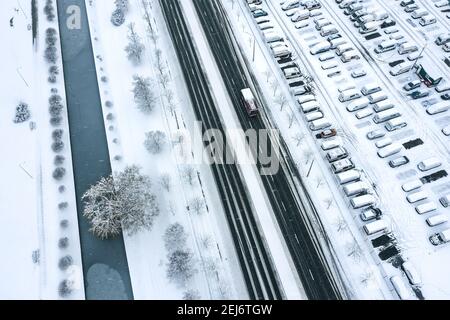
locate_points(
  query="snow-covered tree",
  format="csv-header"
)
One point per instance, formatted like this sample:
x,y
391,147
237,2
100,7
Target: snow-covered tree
x,y
101,209
53,73
189,174
124,201
135,48
65,288
143,94
197,205
122,5
181,267
49,10
155,141
23,113
137,204
175,237
51,54
59,173
118,17
191,295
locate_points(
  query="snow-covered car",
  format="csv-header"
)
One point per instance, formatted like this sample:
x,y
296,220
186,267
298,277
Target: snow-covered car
x,y
358,73
441,3
327,134
342,165
411,7
445,200
419,94
370,213
336,154
398,162
440,238
376,134
412,85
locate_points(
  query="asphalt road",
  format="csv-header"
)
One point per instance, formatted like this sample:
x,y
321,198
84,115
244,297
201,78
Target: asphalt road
x,y
291,205
105,266
260,277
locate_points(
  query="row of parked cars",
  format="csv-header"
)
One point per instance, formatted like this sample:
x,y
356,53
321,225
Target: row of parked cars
x,y
401,66
425,206
417,12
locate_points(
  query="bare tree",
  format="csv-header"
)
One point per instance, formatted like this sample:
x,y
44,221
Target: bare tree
x,y
189,175
165,181
329,203
308,155
197,205
280,99
366,278
341,225
291,118
135,48
268,74
299,137
354,251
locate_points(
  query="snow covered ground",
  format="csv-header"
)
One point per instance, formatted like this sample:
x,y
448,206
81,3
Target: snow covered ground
x,y
218,275
409,228
29,196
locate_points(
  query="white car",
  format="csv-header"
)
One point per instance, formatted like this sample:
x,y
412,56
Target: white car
x,y
446,131
441,3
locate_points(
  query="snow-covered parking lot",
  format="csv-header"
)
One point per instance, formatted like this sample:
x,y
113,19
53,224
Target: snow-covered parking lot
x,y
421,139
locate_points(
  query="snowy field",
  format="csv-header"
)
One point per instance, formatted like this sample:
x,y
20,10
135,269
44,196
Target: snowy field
x,y
32,203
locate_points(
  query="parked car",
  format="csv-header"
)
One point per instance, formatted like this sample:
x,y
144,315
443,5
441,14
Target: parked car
x,y
412,85
445,201
411,7
405,3
376,134
327,134
440,238
342,165
445,96
358,73
371,213
398,162
388,23
419,94
259,13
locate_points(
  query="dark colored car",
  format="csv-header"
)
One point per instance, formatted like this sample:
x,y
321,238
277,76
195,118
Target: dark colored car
x,y
388,23
404,3
419,94
446,96
259,13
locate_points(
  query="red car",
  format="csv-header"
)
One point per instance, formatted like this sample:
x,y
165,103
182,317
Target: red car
x,y
327,134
